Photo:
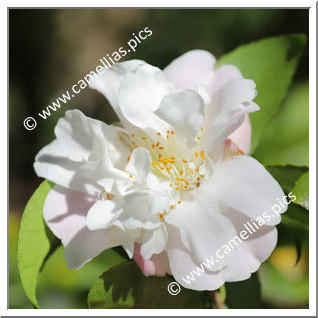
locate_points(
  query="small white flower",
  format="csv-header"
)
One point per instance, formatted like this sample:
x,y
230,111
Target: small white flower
x,y
172,184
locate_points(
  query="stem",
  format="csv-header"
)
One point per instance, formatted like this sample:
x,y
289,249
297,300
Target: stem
x,y
216,297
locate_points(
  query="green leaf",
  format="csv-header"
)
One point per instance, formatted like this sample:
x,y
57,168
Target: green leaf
x,y
294,228
35,241
286,175
297,214
124,286
271,63
244,294
57,279
286,140
301,190
17,297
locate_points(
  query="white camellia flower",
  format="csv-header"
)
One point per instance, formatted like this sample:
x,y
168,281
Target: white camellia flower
x,y
173,183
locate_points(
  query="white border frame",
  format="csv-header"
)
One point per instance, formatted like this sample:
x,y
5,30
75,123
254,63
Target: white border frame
x,y
312,155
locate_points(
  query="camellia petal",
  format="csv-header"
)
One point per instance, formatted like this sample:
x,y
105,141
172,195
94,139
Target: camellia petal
x,y
65,211
87,244
242,136
221,76
154,242
184,111
190,69
99,168
253,248
103,214
109,81
137,213
157,265
52,163
203,231
242,183
227,110
139,164
140,95
182,266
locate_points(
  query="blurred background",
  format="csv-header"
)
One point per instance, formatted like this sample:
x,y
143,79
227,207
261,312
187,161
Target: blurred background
x,y
50,50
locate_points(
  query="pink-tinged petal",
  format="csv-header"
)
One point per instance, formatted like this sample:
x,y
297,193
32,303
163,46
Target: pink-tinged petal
x,y
243,184
221,76
182,266
65,212
255,247
230,149
226,111
157,265
242,136
190,69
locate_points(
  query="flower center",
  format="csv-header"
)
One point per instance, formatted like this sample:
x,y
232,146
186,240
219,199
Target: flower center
x,y
184,172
